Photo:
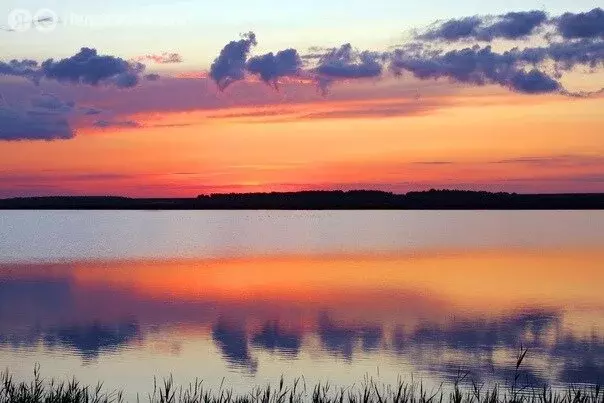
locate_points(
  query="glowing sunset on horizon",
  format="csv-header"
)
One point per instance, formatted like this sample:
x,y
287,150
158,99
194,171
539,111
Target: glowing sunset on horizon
x,y
472,97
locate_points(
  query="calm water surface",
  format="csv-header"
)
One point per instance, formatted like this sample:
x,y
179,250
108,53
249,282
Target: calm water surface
x,y
121,297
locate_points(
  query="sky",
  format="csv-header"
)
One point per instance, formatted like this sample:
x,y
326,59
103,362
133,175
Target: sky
x,y
180,98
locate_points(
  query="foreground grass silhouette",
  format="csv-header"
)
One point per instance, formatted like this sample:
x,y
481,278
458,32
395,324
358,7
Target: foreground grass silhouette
x,y
368,392
39,390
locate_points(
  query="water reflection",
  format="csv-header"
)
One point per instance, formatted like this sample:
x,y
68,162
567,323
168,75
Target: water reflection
x,y
397,308
60,235
233,344
92,340
274,339
340,340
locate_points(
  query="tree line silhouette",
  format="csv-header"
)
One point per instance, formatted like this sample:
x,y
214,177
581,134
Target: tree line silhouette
x,y
323,200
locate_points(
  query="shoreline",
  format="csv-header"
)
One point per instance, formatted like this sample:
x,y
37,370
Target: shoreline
x,y
321,200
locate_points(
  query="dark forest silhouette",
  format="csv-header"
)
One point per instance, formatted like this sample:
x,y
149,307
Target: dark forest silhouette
x,y
323,200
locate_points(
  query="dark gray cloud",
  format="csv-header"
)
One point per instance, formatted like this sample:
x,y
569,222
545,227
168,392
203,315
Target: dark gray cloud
x,y
453,30
582,25
347,63
270,67
516,25
40,122
152,77
125,80
85,67
104,124
533,82
91,111
20,68
527,70
330,64
53,103
88,67
513,25
477,66
230,65
566,55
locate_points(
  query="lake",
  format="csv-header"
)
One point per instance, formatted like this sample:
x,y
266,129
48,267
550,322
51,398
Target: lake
x,y
245,297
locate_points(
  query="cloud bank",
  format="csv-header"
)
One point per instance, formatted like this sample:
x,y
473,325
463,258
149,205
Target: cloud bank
x,y
582,25
476,66
19,68
514,25
443,51
44,119
517,25
86,67
527,52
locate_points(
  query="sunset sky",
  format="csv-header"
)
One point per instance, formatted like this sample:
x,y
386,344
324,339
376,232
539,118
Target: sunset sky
x,y
180,98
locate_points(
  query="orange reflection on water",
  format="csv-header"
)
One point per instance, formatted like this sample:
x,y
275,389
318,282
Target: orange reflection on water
x,y
391,289
432,308
501,279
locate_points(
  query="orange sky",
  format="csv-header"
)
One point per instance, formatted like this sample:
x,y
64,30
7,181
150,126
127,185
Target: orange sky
x,y
481,139
302,104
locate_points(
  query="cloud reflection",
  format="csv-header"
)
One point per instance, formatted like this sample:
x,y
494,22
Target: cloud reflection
x,y
272,338
341,340
233,344
93,309
90,341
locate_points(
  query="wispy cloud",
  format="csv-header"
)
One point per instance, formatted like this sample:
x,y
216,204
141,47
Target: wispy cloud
x,y
383,108
163,58
105,124
557,160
